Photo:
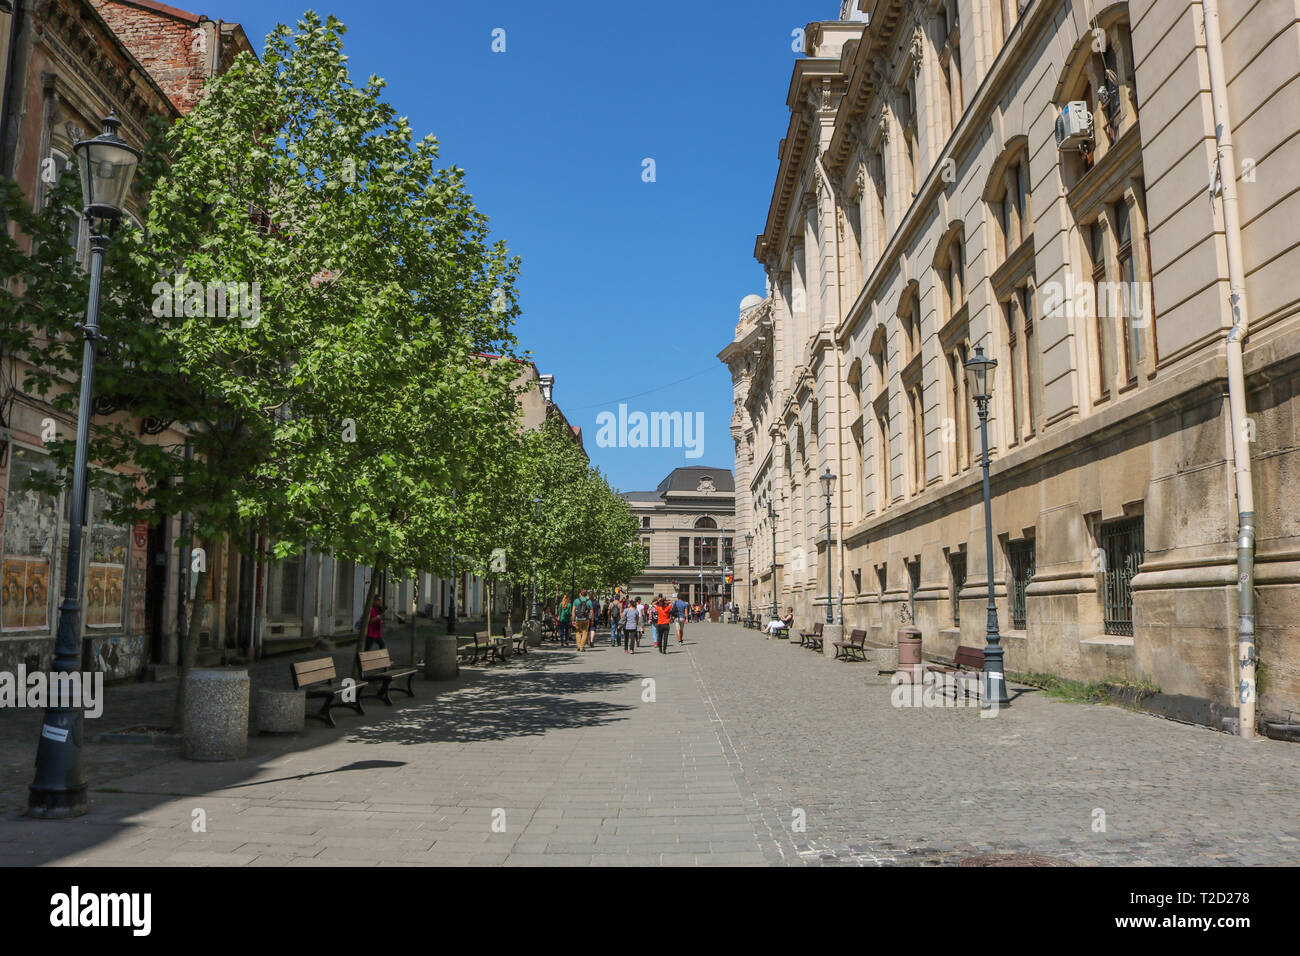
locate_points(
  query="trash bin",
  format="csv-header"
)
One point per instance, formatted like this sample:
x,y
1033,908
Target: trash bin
x,y
909,653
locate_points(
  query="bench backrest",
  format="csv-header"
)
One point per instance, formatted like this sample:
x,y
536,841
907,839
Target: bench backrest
x,y
480,635
971,657
857,636
817,628
309,673
374,661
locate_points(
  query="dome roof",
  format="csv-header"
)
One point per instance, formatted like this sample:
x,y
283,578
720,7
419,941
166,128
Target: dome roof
x,y
749,301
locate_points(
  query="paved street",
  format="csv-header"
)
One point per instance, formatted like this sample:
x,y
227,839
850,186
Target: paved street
x,y
559,758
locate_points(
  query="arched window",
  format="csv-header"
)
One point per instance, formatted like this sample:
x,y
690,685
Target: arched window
x,y
705,522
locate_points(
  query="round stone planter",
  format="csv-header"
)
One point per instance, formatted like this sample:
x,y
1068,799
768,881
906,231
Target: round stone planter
x,y
440,657
281,711
533,633
215,722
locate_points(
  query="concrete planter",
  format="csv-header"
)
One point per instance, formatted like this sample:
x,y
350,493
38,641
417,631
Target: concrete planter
x,y
533,633
280,711
440,657
215,722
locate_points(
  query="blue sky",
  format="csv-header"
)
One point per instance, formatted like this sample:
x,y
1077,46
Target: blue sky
x,y
626,286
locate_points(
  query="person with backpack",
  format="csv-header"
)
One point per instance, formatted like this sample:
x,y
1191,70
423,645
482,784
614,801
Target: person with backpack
x,y
679,612
615,621
582,613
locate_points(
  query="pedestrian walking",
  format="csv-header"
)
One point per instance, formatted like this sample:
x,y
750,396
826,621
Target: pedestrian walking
x,y
615,611
630,625
641,615
566,616
679,618
663,615
582,612
375,627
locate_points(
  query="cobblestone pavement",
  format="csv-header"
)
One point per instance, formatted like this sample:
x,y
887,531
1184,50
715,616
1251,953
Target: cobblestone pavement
x,y
737,751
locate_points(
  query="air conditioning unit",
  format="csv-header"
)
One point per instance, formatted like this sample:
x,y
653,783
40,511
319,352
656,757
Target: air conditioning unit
x,y
1074,126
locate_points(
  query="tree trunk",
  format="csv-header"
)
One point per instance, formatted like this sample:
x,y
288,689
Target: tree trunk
x,y
190,645
415,610
376,574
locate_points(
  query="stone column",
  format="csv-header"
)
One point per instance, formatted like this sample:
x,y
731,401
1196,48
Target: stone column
x,y
215,721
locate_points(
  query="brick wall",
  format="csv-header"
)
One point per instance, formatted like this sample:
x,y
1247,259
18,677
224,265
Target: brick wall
x,y
173,45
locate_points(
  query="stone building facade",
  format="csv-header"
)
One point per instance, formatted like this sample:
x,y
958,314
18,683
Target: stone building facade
x,y
686,527
923,208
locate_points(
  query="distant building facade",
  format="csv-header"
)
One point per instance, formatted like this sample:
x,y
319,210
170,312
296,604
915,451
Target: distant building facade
x,y
923,207
686,528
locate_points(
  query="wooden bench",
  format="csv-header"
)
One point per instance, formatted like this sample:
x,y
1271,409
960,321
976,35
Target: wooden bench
x,y
378,666
317,679
812,638
518,641
853,647
487,647
968,662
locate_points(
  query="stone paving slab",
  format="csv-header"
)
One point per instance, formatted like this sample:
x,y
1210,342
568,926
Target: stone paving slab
x,y
748,752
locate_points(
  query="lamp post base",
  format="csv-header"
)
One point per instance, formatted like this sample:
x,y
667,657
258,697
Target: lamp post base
x,y
994,678
58,792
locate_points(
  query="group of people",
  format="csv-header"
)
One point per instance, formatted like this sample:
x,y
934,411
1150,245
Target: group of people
x,y
627,618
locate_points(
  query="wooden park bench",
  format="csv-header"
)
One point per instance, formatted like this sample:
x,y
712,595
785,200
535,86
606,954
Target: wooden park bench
x,y
378,666
968,663
317,679
487,647
812,638
854,647
518,641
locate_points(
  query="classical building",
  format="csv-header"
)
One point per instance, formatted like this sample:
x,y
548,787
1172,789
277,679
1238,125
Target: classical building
x,y
687,527
1040,180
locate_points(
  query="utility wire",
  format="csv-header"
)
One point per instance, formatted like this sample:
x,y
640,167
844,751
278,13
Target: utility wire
x,y
657,388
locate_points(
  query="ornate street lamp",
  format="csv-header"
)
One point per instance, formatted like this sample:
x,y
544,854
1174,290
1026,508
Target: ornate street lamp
x,y
537,520
106,165
749,575
771,517
979,380
828,487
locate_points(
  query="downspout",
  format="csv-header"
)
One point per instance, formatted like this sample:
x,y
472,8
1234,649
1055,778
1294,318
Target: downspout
x,y
1227,170
839,379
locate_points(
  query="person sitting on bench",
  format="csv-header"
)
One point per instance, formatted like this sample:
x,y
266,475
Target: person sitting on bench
x,y
780,624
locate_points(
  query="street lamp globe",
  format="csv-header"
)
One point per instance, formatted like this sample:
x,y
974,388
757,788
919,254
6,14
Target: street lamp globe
x,y
749,539
828,482
979,375
106,165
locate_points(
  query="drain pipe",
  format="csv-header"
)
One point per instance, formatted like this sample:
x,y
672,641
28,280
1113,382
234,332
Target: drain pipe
x,y
1227,169
839,381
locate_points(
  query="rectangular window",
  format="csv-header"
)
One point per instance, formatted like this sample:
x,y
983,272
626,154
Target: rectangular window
x,y
645,551
727,555
1014,378
917,412
289,573
1122,543
957,567
30,524
913,584
684,552
883,463
1105,323
1129,296
1020,555
1033,367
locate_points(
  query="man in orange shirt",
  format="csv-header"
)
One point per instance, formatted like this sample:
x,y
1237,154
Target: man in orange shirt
x,y
663,613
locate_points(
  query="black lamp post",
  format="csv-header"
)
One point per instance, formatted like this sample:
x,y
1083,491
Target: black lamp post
x,y
828,487
451,611
771,517
537,518
106,165
749,575
979,378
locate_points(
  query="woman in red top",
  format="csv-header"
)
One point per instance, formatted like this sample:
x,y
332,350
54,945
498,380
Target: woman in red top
x,y
375,629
